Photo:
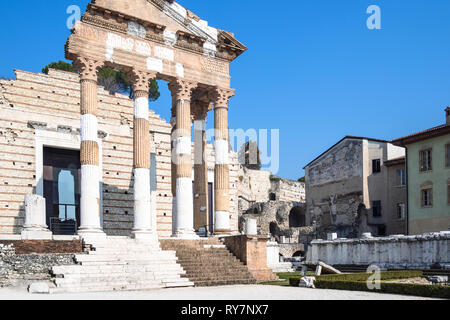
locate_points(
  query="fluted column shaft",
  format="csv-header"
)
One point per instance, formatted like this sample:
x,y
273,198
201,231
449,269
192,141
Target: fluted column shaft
x,y
222,171
90,222
184,221
201,203
141,155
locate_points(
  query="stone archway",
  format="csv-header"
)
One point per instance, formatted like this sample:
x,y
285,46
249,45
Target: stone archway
x,y
297,217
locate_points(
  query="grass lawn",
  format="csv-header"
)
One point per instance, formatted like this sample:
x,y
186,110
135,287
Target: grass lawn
x,y
284,279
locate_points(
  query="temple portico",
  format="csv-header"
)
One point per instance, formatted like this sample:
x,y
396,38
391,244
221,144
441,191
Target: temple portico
x,y
148,42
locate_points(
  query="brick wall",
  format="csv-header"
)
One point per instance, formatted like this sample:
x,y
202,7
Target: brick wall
x,y
44,247
252,251
54,99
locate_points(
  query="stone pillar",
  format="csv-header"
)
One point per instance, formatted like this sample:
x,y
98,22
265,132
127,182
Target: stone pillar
x,y
141,154
251,227
35,227
222,171
201,205
184,206
90,163
173,168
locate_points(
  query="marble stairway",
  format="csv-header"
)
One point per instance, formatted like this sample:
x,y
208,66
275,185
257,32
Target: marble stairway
x,y
120,263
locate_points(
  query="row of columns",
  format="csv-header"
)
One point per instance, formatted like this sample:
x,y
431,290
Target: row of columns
x,y
185,199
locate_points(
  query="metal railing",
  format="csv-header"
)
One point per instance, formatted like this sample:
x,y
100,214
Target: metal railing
x,y
66,225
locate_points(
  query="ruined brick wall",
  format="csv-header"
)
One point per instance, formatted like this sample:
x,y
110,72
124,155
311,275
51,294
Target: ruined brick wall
x,y
334,190
288,190
50,103
16,269
254,185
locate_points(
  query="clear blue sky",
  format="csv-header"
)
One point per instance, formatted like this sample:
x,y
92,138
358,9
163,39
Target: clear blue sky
x,y
313,69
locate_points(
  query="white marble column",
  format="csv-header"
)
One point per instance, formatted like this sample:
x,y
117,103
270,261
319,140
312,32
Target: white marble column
x,y
221,98
141,154
90,224
184,205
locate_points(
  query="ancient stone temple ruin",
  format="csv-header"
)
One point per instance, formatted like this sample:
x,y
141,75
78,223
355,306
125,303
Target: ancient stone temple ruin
x,y
130,178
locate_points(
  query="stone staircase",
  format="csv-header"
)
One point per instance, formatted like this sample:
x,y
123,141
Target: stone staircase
x,y
209,263
120,263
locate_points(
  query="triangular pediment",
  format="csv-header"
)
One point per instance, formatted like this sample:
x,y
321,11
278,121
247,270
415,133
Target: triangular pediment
x,y
169,14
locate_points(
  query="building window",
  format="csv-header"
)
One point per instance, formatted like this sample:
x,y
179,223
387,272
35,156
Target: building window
x,y
401,177
448,192
427,197
425,160
376,207
401,211
447,155
376,166
381,230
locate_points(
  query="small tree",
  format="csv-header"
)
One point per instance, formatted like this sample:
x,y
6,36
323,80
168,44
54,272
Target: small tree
x,y
112,80
249,156
60,65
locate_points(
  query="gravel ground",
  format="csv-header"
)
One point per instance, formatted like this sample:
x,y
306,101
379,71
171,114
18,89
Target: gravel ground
x,y
248,292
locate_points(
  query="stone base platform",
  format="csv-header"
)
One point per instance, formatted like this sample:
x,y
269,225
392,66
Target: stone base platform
x,y
120,263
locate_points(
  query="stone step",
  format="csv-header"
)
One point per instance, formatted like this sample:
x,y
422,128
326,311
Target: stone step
x,y
217,273
113,258
109,287
153,270
59,270
219,278
178,284
126,249
93,282
106,279
207,283
219,263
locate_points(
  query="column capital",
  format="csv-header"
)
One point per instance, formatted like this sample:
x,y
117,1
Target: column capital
x,y
88,67
200,109
182,89
222,96
140,81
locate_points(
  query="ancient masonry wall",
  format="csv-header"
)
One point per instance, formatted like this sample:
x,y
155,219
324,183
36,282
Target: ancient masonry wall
x,y
18,269
288,190
395,252
54,100
334,189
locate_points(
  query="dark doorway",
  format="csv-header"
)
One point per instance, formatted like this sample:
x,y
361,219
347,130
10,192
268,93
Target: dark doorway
x,y
62,190
297,218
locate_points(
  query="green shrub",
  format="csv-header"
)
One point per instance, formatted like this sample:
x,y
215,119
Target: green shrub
x,y
357,282
385,275
432,291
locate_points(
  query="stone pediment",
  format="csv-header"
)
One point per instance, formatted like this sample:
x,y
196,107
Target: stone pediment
x,y
172,20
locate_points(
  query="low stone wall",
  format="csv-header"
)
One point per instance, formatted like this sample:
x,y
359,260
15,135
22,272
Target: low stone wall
x,y
44,247
20,269
394,252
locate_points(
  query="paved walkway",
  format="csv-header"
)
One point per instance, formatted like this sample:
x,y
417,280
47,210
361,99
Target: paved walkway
x,y
246,292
